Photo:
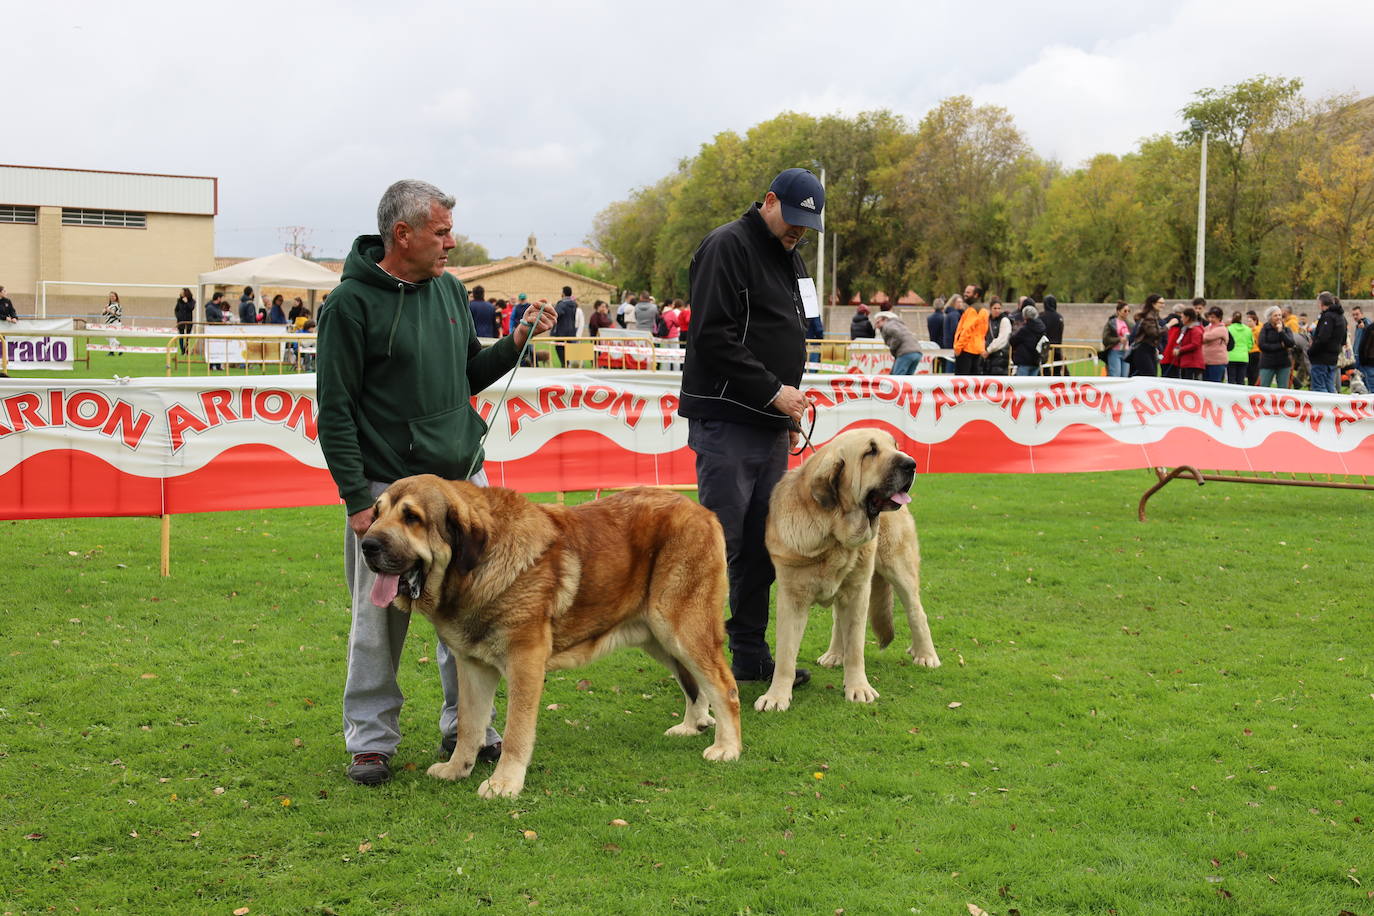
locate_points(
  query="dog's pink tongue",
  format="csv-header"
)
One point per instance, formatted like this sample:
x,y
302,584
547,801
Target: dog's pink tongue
x,y
901,498
385,588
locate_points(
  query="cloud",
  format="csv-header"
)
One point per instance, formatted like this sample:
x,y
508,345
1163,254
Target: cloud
x,y
537,115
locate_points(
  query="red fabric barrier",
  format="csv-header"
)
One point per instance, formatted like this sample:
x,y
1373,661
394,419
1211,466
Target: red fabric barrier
x,y
153,446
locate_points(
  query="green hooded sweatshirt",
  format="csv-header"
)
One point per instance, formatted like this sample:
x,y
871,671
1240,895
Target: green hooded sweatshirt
x,y
1240,353
397,366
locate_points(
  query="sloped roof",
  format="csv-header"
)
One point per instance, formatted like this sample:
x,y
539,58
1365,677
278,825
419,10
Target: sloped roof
x,y
480,271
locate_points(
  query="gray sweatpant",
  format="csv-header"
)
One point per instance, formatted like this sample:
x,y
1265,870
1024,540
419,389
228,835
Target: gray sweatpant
x,y
372,697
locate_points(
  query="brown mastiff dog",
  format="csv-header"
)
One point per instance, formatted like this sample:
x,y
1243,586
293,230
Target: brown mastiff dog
x,y
516,589
840,536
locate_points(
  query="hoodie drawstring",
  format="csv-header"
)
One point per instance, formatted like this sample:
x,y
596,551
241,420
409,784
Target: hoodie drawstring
x,y
400,304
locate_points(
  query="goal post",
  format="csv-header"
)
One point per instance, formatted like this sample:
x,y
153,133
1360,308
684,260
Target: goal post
x,y
44,284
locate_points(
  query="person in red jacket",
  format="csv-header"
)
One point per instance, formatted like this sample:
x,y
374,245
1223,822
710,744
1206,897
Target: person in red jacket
x,y
1169,329
1187,347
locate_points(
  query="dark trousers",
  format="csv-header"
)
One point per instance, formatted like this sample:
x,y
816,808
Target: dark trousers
x,y
1235,372
185,327
738,465
1056,355
968,364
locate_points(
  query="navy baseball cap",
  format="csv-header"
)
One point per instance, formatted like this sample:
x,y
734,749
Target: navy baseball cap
x,y
802,197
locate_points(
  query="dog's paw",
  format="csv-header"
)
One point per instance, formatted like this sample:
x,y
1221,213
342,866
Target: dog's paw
x,y
770,703
831,660
923,659
721,752
448,771
688,729
497,787
860,693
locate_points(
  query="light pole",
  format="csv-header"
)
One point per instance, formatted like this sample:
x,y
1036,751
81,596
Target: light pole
x,y
1199,127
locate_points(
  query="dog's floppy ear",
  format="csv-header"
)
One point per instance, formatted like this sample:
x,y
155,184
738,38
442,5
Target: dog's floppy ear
x,y
467,541
826,481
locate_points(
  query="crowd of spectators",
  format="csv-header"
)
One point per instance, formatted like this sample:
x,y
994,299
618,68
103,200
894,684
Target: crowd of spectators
x,y
1194,341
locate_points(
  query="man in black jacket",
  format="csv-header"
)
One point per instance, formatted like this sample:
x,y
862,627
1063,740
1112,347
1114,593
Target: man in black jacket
x,y
740,388
565,322
1327,341
1054,330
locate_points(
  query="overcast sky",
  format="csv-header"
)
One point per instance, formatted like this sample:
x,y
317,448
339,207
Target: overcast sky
x,y
537,115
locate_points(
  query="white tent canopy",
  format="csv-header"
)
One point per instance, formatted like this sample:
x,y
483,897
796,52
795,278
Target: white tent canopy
x,y
273,270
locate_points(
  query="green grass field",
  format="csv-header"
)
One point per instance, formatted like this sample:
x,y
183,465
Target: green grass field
x,y
1171,717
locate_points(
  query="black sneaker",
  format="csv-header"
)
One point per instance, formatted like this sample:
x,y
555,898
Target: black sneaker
x,y
763,671
490,753
370,769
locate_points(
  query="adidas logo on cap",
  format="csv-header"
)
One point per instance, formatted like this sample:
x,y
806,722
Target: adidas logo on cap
x,y
809,203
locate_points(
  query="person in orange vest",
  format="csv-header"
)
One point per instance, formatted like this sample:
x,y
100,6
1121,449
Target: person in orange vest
x,y
969,335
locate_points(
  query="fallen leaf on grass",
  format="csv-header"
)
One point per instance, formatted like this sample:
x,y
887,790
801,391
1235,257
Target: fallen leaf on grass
x,y
619,822
219,790
147,677
955,705
242,911
976,910
584,684
531,835
364,847
33,836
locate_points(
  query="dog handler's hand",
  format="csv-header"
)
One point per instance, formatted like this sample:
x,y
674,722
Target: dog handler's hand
x,y
538,317
790,401
361,521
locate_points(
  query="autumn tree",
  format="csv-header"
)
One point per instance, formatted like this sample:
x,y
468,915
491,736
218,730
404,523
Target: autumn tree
x,y
1088,234
627,232
1338,205
1247,126
966,191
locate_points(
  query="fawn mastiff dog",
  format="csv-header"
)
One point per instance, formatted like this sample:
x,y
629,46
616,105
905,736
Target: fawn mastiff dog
x,y
840,535
516,589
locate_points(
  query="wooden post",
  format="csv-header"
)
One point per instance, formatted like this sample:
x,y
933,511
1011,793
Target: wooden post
x,y
166,565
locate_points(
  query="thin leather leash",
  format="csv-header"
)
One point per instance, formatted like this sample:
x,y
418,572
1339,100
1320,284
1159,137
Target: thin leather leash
x,y
529,338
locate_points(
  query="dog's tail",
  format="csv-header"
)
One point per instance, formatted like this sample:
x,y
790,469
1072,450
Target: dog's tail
x,y
880,610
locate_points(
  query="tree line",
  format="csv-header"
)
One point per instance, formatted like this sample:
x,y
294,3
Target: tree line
x,y
962,198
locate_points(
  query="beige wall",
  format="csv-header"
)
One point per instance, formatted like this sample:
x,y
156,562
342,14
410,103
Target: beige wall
x,y
19,264
174,248
540,283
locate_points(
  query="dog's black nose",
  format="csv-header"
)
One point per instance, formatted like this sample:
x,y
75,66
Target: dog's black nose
x,y
906,462
371,547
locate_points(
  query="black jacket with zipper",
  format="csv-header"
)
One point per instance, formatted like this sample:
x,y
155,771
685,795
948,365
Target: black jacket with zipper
x,y
1329,336
748,335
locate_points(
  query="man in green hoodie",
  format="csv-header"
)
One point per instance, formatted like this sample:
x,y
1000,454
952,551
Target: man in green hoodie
x,y
398,363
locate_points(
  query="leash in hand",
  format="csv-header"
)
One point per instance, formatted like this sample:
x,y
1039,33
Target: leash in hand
x,y
796,427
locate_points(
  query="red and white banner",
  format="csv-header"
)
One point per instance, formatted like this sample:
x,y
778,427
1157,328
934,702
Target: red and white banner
x,y
154,446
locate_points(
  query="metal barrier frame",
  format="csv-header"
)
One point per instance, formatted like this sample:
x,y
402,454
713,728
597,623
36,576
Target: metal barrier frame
x,y
1166,476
